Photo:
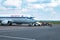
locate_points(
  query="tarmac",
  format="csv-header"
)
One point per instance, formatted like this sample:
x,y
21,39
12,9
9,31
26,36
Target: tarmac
x,y
17,32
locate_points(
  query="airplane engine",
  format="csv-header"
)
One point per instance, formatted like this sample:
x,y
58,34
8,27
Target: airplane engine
x,y
4,22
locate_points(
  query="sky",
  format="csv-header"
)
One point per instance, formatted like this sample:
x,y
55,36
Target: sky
x,y
40,9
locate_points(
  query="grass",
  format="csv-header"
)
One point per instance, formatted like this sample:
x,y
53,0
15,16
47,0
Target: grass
x,y
55,22
52,22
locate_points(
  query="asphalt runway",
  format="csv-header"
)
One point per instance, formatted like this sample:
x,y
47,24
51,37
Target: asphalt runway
x,y
30,33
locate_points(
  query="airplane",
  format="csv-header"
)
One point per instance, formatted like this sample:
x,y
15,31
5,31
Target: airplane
x,y
18,20
21,20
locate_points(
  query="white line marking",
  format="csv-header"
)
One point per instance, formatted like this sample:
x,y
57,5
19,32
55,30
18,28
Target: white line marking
x,y
16,37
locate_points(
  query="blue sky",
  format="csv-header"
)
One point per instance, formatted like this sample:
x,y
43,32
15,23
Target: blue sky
x,y
40,9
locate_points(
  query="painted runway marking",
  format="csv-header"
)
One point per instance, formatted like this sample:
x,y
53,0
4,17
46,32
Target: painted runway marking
x,y
16,37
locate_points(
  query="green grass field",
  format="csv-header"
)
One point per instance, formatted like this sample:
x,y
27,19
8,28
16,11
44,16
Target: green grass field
x,y
52,22
55,22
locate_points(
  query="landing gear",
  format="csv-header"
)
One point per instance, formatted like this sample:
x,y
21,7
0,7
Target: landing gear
x,y
34,24
9,23
41,24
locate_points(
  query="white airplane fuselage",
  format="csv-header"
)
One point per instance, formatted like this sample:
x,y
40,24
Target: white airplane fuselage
x,y
17,20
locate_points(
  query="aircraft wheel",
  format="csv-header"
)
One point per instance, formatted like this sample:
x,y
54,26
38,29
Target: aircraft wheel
x,y
9,23
34,24
39,25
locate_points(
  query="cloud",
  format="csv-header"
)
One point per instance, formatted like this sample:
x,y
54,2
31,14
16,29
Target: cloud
x,y
2,8
32,7
51,5
36,6
12,3
43,6
25,10
31,1
56,1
